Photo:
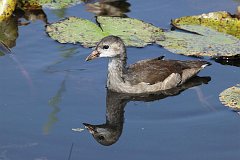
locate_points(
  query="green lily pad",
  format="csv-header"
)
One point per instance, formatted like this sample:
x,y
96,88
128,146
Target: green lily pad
x,y
207,43
219,21
133,31
52,4
76,30
231,97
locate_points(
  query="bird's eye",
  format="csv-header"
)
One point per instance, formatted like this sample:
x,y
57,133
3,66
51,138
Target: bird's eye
x,y
105,47
101,138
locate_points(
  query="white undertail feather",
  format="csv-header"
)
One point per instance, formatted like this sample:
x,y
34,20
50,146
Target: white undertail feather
x,y
205,65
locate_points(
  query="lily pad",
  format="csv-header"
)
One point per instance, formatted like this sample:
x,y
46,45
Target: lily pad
x,y
133,31
219,21
208,42
76,30
52,4
231,97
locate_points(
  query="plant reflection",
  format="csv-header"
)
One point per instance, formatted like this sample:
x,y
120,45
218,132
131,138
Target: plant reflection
x,y
9,27
109,132
54,104
60,13
108,7
9,31
30,12
32,15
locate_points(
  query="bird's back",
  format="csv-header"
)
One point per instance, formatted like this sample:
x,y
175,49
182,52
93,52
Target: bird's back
x,y
156,70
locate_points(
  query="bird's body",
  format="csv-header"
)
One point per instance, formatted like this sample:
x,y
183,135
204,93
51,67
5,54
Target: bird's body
x,y
146,76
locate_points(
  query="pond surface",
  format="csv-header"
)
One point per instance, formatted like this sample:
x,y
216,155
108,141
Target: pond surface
x,y
48,89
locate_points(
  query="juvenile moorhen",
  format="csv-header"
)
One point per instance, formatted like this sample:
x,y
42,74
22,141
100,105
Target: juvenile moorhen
x,y
146,76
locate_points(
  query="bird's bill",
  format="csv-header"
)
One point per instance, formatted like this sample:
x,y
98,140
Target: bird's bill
x,y
93,55
90,127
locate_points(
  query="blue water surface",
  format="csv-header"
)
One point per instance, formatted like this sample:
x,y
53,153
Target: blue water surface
x,y
60,91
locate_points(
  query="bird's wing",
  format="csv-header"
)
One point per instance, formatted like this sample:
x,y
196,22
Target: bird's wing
x,y
157,70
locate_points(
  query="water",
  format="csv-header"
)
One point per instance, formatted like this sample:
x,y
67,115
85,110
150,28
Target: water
x,y
37,114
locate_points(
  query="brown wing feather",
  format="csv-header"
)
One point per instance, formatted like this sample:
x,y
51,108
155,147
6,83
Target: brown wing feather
x,y
157,70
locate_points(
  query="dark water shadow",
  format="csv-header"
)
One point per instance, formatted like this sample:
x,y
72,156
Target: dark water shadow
x,y
113,8
232,61
108,133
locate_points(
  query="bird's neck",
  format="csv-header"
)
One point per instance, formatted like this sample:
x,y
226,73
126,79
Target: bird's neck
x,y
115,109
116,69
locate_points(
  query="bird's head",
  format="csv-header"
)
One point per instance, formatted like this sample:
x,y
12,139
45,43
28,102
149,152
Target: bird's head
x,y
104,134
110,46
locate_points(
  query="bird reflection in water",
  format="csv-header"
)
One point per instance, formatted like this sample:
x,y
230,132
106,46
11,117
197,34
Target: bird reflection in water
x,y
30,15
108,133
108,7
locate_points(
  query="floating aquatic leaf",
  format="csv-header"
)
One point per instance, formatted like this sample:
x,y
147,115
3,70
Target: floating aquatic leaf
x,y
219,21
6,8
52,4
231,97
133,32
207,43
74,30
